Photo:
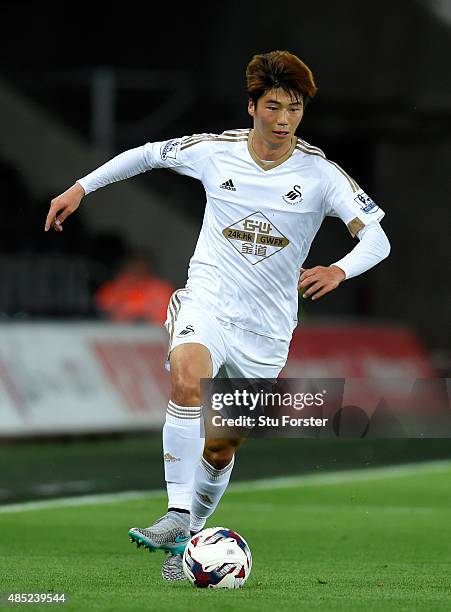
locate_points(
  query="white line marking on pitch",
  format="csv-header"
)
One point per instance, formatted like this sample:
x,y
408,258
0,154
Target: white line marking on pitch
x,y
283,482
83,500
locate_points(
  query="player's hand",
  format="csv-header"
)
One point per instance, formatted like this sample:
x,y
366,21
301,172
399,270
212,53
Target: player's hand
x,y
62,206
318,281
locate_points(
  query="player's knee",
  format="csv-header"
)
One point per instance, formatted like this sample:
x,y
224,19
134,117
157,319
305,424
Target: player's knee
x,y
219,453
219,459
185,387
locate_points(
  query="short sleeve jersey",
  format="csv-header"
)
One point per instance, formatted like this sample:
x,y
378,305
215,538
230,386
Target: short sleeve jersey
x,y
260,220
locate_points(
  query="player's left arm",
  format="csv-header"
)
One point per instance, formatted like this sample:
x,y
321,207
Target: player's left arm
x,y
372,248
344,198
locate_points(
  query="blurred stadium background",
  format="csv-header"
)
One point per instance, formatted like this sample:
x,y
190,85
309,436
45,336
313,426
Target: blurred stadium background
x,y
82,398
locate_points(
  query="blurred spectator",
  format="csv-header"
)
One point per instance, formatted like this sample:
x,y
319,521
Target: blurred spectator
x,y
136,294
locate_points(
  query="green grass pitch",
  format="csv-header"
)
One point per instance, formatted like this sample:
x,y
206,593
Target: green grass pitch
x,y
370,543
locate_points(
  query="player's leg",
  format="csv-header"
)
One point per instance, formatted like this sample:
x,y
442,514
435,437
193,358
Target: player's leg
x,y
249,356
212,478
183,443
219,453
183,439
196,351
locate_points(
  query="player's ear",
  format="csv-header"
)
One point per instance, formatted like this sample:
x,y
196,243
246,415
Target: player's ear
x,y
251,107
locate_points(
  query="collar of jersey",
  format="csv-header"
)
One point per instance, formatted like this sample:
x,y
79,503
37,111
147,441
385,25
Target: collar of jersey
x,y
269,165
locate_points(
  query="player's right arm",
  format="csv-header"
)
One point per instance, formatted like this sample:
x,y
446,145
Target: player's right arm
x,y
62,206
187,155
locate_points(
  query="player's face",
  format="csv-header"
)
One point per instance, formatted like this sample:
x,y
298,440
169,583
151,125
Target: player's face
x,y
276,118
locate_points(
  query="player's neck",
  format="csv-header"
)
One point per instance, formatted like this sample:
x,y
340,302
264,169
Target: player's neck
x,y
268,152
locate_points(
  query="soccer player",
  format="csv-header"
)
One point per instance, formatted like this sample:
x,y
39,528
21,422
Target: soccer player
x,y
267,194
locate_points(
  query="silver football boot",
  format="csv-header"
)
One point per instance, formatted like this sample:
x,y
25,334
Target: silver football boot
x,y
172,568
169,533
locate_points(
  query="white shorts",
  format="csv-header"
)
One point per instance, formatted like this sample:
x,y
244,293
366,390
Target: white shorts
x,y
241,353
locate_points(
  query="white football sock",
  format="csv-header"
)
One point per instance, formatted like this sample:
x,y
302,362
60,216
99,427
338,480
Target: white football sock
x,y
183,444
209,486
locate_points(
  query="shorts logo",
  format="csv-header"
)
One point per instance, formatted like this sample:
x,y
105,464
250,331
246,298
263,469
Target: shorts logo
x,y
170,149
255,237
366,203
294,196
170,458
189,329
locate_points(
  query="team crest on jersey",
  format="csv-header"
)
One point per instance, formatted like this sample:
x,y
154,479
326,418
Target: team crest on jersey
x,y
366,203
255,237
294,196
189,329
170,149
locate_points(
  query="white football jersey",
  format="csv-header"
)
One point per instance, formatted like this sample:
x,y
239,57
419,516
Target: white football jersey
x,y
260,220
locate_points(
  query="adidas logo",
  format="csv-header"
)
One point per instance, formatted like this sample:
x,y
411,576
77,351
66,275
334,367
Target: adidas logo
x,y
170,458
205,498
228,185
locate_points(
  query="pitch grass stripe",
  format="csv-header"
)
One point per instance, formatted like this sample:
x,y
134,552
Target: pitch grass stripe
x,y
283,482
345,476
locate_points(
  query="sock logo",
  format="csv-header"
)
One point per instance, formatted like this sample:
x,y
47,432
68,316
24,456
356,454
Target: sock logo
x,y
189,329
205,498
170,458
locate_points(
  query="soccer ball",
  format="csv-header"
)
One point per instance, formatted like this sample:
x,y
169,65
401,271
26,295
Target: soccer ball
x,y
217,558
